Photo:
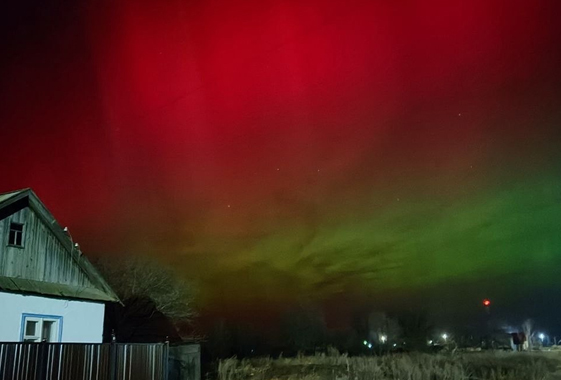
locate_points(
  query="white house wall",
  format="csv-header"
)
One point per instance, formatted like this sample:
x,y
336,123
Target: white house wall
x,y
82,321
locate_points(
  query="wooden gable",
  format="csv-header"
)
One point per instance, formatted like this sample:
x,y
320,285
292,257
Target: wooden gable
x,y
46,262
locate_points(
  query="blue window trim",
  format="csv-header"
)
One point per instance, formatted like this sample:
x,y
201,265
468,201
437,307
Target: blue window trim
x,y
42,316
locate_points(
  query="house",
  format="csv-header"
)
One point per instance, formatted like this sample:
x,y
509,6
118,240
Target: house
x,y
49,291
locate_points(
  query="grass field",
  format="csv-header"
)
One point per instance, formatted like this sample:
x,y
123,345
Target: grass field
x,y
465,366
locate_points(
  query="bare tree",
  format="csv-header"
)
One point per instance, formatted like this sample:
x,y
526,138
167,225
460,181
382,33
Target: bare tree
x,y
528,329
415,329
148,287
383,329
304,328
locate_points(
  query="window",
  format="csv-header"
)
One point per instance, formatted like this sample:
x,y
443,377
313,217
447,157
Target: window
x,y
41,328
15,237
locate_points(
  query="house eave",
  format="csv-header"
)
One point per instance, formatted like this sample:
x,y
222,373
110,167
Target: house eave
x,y
32,287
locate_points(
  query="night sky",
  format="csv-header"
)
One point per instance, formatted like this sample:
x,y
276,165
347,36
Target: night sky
x,y
355,154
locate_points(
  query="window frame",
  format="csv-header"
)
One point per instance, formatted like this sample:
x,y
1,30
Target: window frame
x,y
21,233
40,319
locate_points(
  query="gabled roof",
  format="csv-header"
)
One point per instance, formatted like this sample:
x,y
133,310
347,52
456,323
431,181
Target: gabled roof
x,y
16,200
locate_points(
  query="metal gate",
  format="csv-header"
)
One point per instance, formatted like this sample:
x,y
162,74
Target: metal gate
x,y
79,361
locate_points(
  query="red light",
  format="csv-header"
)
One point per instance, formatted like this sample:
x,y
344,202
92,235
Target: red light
x,y
486,302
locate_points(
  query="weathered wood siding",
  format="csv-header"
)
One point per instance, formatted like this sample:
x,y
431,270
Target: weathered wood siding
x,y
42,258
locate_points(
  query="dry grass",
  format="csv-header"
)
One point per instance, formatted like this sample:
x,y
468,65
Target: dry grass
x,y
480,366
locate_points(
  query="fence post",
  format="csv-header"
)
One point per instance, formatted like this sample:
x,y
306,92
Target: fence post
x,y
113,357
166,359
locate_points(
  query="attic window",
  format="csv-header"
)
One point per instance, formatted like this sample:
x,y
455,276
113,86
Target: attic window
x,y
15,238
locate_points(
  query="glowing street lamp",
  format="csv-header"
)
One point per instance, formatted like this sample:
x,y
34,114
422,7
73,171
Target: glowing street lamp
x,y
486,302
365,342
445,336
383,338
542,336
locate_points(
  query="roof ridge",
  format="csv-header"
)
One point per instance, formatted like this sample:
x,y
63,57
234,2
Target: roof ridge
x,y
16,191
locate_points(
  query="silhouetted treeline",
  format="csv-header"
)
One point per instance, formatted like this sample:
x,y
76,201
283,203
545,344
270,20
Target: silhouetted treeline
x,y
304,330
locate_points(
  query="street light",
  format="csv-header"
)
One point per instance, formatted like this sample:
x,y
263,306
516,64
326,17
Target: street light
x,y
445,336
383,338
542,336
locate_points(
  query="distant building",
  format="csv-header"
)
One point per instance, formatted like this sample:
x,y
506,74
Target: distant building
x,y
49,291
